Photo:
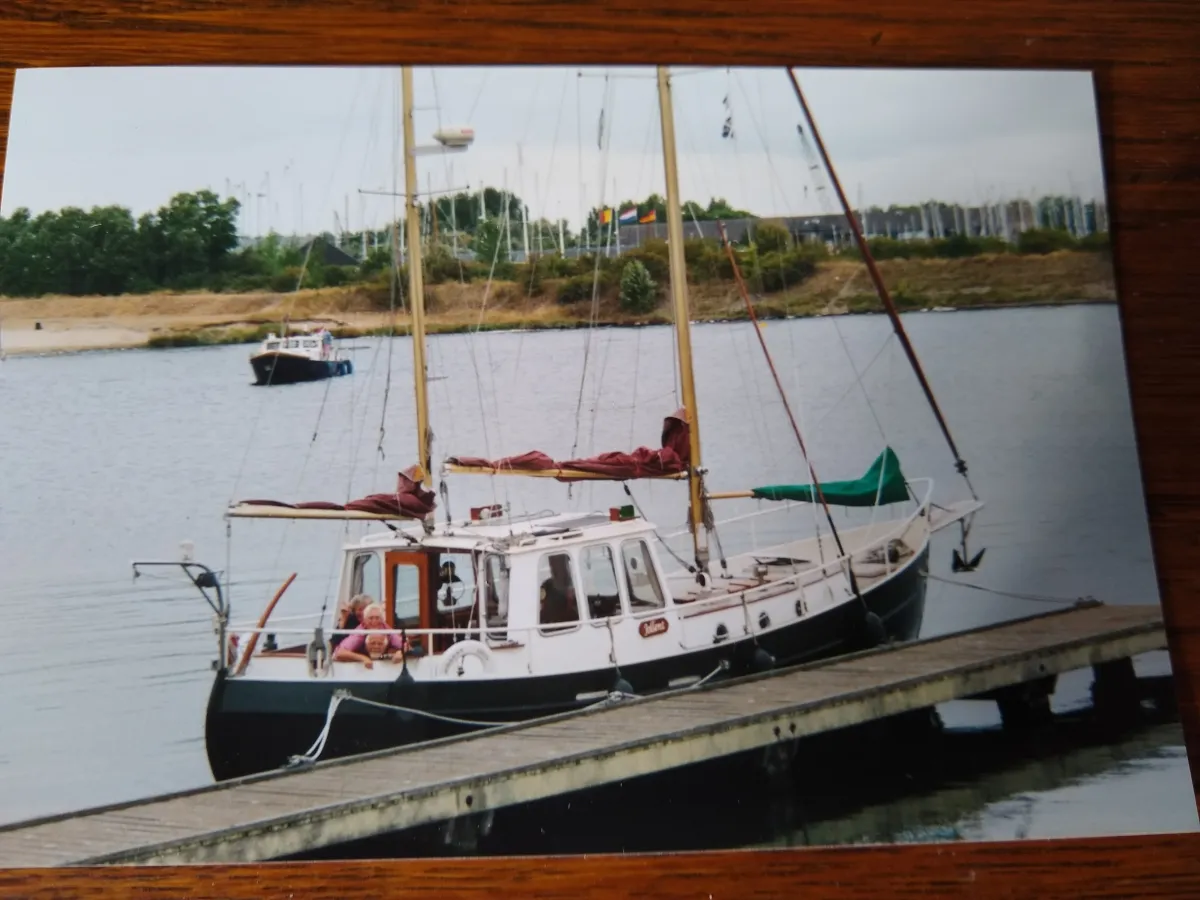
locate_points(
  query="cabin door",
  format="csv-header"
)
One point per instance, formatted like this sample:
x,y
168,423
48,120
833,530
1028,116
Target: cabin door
x,y
409,590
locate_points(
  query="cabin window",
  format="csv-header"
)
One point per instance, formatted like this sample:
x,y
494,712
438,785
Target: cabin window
x,y
406,579
600,582
640,578
455,582
558,607
495,591
272,345
365,577
310,343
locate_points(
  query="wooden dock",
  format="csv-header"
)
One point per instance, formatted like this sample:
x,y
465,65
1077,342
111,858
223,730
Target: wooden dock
x,y
280,814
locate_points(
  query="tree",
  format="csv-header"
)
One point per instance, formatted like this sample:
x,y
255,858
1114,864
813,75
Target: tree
x,y
489,239
637,288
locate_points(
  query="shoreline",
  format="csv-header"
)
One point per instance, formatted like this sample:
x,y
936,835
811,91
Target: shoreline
x,y
165,320
76,334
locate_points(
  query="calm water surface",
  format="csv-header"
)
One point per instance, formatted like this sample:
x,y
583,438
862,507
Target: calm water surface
x,y
112,457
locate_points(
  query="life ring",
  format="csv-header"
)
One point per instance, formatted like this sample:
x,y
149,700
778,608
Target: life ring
x,y
467,658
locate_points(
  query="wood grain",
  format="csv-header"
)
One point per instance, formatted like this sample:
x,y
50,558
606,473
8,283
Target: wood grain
x,y
1156,866
1146,56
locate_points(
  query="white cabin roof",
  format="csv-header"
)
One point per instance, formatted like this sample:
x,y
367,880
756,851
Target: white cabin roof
x,y
514,536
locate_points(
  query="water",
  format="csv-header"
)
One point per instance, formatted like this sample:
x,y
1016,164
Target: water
x,y
112,457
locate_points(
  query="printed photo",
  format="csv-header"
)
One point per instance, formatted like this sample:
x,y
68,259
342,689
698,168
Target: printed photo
x,y
496,460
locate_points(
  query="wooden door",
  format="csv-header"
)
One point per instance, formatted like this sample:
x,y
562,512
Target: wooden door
x,y
409,589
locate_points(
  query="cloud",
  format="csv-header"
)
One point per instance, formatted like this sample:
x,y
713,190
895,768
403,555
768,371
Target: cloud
x,y
308,139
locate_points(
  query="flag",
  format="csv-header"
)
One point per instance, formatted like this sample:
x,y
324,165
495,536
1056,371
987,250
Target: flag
x,y
605,216
628,216
648,217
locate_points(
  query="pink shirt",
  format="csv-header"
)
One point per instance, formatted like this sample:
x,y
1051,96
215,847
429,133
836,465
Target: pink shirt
x,y
356,640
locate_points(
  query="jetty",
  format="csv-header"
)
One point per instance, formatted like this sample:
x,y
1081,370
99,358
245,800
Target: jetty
x,y
280,814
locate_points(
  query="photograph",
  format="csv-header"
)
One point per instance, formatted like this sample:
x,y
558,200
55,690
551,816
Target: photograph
x,y
473,461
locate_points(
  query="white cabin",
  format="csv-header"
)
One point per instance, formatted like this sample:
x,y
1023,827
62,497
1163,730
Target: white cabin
x,y
307,345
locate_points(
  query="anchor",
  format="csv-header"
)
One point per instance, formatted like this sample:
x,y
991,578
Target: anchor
x,y
964,562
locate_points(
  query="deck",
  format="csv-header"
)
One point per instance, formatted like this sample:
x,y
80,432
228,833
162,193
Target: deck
x,y
270,816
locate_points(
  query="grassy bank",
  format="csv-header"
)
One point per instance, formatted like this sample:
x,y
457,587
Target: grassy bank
x,y
835,286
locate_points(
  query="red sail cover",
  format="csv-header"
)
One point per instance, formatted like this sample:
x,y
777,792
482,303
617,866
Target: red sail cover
x,y
671,459
409,501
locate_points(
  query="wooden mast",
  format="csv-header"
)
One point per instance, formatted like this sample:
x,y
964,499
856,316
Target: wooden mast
x,y
679,298
416,287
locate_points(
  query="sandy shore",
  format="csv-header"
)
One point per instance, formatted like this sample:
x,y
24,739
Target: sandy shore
x,y
69,335
74,324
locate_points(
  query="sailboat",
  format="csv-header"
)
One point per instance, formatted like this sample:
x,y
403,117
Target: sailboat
x,y
496,617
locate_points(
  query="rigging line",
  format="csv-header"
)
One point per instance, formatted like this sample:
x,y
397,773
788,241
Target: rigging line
x,y
478,94
472,337
827,207
608,103
637,355
837,403
446,165
783,396
583,217
762,431
733,138
779,184
258,418
607,336
825,203
959,463
638,507
395,288
373,134
562,102
816,516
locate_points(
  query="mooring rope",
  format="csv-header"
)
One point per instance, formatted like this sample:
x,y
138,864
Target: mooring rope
x,y
341,696
1016,595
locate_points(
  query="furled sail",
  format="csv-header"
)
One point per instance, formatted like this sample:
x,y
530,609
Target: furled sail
x,y
883,483
669,461
408,501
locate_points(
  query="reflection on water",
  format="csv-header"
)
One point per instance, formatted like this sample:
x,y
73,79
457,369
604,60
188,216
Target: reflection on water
x,y
1083,791
111,457
864,786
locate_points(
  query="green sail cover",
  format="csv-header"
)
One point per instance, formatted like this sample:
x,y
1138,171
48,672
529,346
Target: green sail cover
x,y
865,491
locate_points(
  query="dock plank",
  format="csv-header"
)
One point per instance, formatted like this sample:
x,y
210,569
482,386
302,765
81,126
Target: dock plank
x,y
295,810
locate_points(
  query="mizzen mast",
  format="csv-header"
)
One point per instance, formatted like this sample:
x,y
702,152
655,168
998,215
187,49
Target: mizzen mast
x,y
679,299
416,287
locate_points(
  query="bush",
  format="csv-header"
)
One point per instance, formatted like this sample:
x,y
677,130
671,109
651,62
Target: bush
x,y
529,277
1097,242
242,284
1045,240
577,289
653,256
552,266
441,266
639,293
778,271
771,238
336,276
285,281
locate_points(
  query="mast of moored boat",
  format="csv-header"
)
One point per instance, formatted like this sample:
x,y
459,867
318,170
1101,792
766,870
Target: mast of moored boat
x,y
679,299
416,288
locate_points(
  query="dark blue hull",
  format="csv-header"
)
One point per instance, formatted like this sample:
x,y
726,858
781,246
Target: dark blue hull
x,y
256,726
283,368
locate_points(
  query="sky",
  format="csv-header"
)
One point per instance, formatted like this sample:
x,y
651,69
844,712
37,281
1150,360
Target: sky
x,y
299,145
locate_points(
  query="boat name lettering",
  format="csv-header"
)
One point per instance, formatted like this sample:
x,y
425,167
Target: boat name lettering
x,y
651,627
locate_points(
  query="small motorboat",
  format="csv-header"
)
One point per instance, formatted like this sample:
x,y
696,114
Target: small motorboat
x,y
304,356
